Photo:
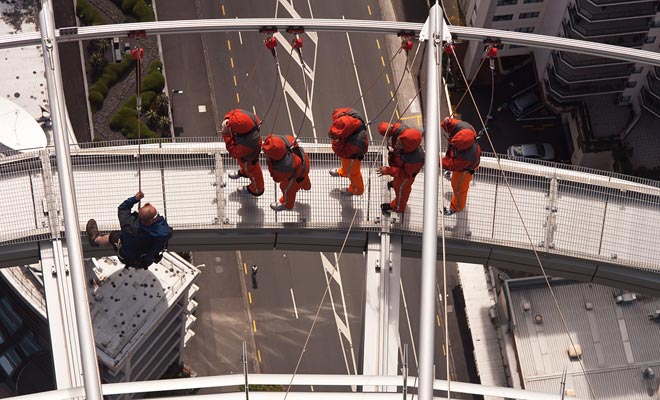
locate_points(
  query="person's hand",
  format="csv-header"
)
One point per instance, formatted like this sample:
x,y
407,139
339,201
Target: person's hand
x,y
380,171
225,127
139,196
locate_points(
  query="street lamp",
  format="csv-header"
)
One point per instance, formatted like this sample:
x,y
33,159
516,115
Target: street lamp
x,y
176,91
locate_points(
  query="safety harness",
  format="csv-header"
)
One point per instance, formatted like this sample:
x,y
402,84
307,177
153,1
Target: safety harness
x,y
251,138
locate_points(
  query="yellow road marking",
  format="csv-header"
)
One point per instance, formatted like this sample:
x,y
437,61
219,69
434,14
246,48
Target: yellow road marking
x,y
254,326
228,44
259,355
397,113
437,317
223,9
391,94
231,60
416,116
369,9
245,268
250,299
238,98
387,76
378,44
235,84
444,352
382,60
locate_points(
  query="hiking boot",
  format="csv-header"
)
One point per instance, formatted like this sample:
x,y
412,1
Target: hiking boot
x,y
385,208
334,172
236,175
448,212
277,207
92,232
346,192
246,190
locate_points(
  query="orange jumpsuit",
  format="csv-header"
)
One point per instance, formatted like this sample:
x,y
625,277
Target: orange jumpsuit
x,y
462,159
349,142
243,142
289,165
405,161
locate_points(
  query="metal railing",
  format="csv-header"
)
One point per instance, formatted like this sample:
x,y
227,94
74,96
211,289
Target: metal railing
x,y
615,216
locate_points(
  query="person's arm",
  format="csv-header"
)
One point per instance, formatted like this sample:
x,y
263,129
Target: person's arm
x,y
124,211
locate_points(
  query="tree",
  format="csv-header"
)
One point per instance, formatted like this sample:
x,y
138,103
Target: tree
x,y
97,62
151,117
163,123
160,103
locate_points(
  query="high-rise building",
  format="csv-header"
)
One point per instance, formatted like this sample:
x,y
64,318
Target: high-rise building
x,y
607,104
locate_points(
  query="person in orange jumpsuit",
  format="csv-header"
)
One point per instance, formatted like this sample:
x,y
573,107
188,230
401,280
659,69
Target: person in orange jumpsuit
x,y
350,142
289,166
240,131
462,159
405,159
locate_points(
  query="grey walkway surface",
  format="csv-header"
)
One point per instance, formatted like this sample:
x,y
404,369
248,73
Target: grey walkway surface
x,y
588,226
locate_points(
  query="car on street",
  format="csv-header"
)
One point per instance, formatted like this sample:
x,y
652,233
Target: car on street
x,y
538,151
525,105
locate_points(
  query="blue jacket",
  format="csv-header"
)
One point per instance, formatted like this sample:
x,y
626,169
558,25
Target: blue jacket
x,y
141,245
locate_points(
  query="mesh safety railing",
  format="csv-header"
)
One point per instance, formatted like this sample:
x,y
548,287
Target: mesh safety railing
x,y
567,210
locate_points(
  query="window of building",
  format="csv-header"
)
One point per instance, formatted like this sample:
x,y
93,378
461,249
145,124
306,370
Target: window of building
x,y
636,69
649,39
631,84
655,24
624,99
8,317
525,29
532,1
505,17
515,46
533,14
506,2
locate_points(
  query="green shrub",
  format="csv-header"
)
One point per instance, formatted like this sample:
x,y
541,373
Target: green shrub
x,y
147,98
100,87
122,115
143,12
127,6
153,81
131,132
88,14
118,2
96,100
156,65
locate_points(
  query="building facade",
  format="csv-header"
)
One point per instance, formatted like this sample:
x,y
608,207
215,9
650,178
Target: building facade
x,y
608,105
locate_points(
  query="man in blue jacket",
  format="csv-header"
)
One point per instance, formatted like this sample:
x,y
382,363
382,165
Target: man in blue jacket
x,y
143,236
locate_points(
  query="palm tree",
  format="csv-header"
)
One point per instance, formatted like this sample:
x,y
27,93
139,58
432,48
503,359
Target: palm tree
x,y
97,62
102,45
160,103
163,123
151,117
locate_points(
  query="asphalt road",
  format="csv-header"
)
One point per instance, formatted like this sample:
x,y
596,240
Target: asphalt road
x,y
241,71
221,71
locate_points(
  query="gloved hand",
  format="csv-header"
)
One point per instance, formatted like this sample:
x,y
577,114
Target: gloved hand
x,y
158,258
380,171
448,175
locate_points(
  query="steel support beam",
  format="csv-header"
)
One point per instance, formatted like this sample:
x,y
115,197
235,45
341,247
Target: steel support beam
x,y
381,316
61,319
83,322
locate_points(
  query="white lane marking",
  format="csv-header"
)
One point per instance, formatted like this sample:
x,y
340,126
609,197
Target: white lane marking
x,y
240,36
294,14
254,109
412,338
281,40
357,78
293,298
288,89
343,328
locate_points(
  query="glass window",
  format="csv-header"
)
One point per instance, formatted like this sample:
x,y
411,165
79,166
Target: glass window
x,y
631,84
506,2
533,14
8,317
526,29
505,17
532,1
655,24
515,46
624,99
6,365
29,345
649,39
9,361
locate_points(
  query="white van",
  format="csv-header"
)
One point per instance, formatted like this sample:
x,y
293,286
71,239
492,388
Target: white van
x,y
525,104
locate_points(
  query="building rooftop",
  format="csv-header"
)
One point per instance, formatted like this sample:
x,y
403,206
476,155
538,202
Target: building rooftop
x,y
126,303
617,337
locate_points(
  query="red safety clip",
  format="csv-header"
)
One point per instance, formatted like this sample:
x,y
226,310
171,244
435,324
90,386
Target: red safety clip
x,y
296,42
406,44
491,52
448,48
137,53
270,43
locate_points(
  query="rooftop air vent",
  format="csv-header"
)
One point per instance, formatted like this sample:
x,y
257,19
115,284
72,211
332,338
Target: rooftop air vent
x,y
538,318
527,305
626,298
655,316
574,352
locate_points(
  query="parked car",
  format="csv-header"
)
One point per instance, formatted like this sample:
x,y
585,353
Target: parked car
x,y
525,104
539,151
